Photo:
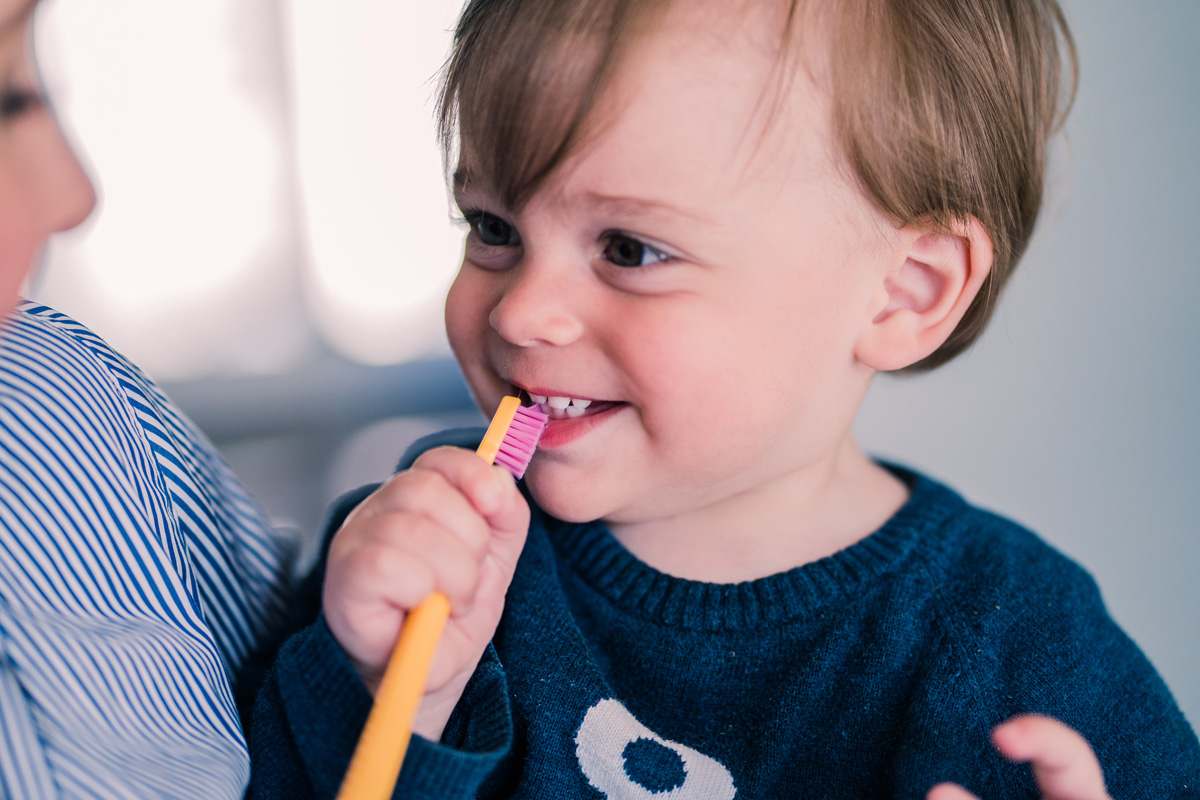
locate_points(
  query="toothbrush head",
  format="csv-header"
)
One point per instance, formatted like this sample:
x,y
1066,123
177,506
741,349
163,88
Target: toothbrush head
x,y
513,436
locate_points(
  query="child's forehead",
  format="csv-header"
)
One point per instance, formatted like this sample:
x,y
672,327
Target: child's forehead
x,y
752,34
683,159
701,63
681,86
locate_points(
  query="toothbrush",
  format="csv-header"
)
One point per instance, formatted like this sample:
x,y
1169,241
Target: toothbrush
x,y
510,441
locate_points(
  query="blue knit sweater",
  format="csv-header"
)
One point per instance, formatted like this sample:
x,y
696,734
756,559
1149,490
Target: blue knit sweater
x,y
876,672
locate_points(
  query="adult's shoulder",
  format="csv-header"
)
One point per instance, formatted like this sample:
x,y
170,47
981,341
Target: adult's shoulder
x,y
75,409
44,352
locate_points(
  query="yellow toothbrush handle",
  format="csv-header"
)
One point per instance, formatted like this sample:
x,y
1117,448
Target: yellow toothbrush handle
x,y
385,736
501,422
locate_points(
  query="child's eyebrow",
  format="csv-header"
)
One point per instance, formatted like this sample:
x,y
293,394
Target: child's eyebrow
x,y
616,205
638,206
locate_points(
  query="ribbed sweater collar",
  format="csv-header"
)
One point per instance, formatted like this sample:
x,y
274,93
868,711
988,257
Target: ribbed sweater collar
x,y
596,557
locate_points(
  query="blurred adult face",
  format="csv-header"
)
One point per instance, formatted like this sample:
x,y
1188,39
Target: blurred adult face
x,y
43,189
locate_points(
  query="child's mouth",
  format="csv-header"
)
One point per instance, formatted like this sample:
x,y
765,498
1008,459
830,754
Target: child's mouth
x,y
560,407
571,418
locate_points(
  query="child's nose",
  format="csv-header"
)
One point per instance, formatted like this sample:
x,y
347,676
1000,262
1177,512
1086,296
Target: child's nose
x,y
537,307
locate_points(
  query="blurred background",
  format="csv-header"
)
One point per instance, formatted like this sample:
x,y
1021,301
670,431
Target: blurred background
x,y
274,238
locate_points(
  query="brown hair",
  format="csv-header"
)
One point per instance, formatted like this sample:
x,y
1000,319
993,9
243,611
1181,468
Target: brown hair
x,y
942,108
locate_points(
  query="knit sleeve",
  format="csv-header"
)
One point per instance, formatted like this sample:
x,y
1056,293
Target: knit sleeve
x,y
1027,632
308,717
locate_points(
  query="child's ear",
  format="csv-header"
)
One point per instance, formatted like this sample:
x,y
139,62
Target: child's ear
x,y
923,299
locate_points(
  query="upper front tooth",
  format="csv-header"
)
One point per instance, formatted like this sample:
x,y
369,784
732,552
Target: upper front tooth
x,y
580,403
560,402
537,399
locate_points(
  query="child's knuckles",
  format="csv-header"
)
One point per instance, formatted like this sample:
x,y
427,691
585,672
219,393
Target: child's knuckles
x,y
395,575
454,463
420,584
459,582
460,524
513,523
418,484
405,532
520,514
352,532
377,534
475,537
425,537
438,548
430,459
373,566
388,496
439,455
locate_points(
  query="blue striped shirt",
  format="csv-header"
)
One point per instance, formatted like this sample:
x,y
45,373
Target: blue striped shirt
x,y
136,578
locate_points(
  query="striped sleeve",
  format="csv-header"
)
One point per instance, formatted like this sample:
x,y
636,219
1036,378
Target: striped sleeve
x,y
136,578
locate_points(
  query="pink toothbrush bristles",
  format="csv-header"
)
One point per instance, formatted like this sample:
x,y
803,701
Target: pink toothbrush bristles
x,y
521,439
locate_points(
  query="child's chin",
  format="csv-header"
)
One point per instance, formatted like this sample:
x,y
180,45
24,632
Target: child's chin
x,y
569,504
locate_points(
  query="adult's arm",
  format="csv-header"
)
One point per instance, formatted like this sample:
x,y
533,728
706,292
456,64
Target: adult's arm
x,y
136,578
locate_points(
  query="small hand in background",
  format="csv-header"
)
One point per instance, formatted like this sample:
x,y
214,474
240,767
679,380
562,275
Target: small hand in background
x,y
1063,763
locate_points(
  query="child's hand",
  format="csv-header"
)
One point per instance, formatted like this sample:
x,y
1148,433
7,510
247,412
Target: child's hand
x,y
452,523
1063,763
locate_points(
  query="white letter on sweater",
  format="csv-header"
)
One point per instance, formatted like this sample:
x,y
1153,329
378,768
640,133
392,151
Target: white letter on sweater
x,y
608,729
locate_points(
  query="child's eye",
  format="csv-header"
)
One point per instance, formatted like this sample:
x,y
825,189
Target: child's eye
x,y
15,102
625,251
492,230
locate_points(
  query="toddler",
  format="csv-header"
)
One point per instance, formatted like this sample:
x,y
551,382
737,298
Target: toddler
x,y
695,231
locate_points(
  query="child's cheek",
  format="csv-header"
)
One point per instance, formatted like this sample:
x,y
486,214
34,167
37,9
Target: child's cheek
x,y
466,314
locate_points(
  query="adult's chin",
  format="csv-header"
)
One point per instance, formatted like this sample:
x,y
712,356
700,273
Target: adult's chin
x,y
16,263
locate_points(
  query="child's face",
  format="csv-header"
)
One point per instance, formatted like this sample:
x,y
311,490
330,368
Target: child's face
x,y
42,187
701,277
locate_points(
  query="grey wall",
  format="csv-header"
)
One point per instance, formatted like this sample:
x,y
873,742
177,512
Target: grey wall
x,y
1078,412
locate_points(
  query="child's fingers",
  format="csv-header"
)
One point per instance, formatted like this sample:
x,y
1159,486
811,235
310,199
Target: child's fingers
x,y
429,494
363,623
477,503
399,558
394,562
949,791
1063,763
491,490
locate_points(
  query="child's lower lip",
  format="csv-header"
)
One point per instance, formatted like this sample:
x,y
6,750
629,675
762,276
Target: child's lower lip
x,y
560,432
